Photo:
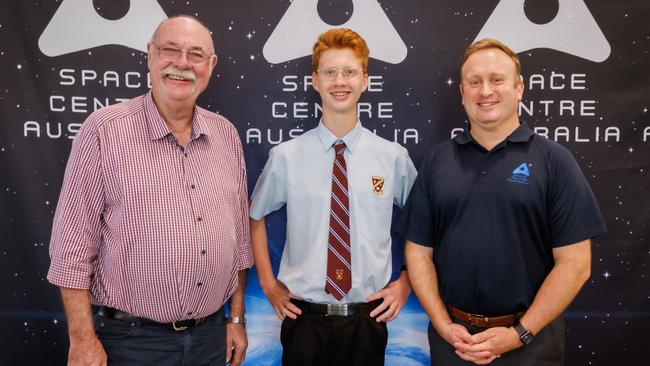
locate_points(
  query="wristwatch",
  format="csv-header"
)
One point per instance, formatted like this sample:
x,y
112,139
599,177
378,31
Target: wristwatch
x,y
236,320
525,336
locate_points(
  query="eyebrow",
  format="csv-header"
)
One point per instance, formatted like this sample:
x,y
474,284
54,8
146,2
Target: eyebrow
x,y
191,48
480,75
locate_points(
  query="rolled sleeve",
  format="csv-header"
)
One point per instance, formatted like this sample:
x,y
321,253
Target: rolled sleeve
x,y
244,256
76,230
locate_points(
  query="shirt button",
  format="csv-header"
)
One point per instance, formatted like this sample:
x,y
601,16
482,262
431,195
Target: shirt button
x,y
199,219
192,186
199,284
189,313
484,172
203,252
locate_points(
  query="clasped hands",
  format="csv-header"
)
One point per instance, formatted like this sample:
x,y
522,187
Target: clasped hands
x,y
484,347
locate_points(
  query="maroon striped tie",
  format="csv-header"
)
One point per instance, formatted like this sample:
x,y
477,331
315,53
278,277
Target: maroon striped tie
x,y
339,269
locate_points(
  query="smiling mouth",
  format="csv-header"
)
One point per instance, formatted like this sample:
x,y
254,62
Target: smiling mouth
x,y
178,77
340,94
487,104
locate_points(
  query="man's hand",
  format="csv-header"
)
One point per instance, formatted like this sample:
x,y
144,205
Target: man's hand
x,y
455,334
394,295
485,346
236,343
85,347
277,293
86,351
458,336
280,298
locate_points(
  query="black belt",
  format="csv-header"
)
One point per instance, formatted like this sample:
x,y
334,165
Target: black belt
x,y
179,325
336,309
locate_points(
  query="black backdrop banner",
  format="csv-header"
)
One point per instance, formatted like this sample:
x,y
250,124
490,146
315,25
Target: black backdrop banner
x,y
584,66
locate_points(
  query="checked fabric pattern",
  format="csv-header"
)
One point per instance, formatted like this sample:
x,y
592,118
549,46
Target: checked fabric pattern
x,y
339,269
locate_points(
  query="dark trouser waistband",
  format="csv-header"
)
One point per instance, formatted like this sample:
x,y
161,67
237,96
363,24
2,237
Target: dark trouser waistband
x,y
179,325
336,309
483,321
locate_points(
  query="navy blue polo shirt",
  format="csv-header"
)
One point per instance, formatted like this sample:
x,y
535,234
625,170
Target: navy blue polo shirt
x,y
493,217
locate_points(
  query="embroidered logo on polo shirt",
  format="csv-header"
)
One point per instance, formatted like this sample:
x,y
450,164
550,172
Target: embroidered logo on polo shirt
x,y
377,185
521,174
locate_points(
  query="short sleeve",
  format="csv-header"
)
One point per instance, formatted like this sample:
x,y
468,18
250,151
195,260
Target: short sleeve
x,y
270,193
574,215
405,177
415,221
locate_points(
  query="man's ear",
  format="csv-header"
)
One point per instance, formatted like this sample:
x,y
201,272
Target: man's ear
x,y
314,81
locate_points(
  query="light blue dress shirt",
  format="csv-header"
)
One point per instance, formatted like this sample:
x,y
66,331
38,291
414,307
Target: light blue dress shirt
x,y
299,174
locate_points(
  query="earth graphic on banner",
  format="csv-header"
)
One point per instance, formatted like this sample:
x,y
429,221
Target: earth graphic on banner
x,y
407,341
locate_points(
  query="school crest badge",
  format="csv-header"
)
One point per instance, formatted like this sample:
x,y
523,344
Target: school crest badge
x,y
377,185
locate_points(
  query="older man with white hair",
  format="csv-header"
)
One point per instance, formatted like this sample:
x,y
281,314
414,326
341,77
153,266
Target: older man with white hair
x,y
151,226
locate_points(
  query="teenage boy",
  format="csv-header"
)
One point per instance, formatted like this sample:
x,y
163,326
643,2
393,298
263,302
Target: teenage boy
x,y
339,182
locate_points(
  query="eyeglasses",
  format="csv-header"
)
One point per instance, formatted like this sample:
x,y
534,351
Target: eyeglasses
x,y
347,72
171,54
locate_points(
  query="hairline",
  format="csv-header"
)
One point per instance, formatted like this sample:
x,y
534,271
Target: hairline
x,y
189,17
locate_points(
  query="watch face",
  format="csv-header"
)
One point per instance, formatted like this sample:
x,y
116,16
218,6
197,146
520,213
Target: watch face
x,y
526,338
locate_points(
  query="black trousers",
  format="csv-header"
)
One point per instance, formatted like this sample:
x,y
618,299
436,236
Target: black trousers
x,y
129,344
546,350
322,340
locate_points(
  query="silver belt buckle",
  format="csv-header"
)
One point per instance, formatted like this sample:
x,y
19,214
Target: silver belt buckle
x,y
337,309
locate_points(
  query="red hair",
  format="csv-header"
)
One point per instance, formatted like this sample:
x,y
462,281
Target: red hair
x,y
339,38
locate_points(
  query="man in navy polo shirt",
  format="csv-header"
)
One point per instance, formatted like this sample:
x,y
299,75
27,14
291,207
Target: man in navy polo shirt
x,y
498,225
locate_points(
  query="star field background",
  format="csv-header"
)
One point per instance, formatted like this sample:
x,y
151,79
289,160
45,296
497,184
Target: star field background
x,y
606,324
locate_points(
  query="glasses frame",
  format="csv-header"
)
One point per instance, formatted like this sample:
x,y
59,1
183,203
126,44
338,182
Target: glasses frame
x,y
189,54
356,72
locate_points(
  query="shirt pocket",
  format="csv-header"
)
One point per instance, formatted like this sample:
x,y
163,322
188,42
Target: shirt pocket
x,y
375,217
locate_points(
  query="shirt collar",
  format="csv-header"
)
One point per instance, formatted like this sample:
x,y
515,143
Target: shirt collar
x,y
327,138
523,133
157,126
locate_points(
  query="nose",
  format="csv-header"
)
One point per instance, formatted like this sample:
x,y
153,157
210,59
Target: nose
x,y
339,78
182,60
485,88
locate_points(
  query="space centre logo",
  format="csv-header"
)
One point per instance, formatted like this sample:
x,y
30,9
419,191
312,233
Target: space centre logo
x,y
572,30
82,88
77,26
294,37
301,25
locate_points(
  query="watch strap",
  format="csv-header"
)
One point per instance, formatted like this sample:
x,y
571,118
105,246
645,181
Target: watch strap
x,y
236,320
525,336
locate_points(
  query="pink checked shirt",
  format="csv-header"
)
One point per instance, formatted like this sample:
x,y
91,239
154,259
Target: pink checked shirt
x,y
147,226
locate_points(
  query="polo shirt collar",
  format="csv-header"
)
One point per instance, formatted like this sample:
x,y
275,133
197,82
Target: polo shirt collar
x,y
157,126
327,138
523,133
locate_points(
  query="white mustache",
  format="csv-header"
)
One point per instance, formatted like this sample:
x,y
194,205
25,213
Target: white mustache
x,y
183,74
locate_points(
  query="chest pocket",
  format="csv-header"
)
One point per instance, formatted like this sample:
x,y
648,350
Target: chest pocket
x,y
375,203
